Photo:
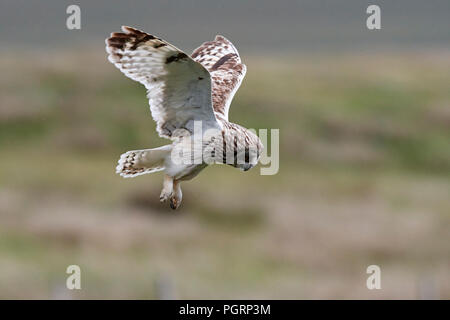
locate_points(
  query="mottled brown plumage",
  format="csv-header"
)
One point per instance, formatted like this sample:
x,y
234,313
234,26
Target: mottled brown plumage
x,y
222,61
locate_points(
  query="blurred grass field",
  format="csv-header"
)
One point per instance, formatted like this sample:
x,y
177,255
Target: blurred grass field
x,y
364,179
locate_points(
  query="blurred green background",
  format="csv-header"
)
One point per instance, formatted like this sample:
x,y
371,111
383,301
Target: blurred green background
x,y
364,175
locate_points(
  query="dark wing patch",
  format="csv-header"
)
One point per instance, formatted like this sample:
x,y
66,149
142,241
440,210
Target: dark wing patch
x,y
176,57
222,60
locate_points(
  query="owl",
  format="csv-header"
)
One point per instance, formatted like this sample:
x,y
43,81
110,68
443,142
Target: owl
x,y
189,97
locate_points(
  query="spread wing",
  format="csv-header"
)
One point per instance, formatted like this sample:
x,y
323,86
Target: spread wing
x,y
222,61
179,88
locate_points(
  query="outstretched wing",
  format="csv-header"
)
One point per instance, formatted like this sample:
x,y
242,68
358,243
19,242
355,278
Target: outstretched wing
x,y
222,61
179,88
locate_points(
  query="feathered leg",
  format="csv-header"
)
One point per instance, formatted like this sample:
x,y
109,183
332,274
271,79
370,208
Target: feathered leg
x,y
167,189
171,191
177,195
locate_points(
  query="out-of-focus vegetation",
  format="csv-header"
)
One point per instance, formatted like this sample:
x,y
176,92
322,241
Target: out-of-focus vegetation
x,y
364,179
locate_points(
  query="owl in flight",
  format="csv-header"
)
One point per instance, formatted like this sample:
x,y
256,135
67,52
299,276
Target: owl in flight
x,y
189,100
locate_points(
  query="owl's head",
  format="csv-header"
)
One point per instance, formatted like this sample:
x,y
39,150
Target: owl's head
x,y
247,154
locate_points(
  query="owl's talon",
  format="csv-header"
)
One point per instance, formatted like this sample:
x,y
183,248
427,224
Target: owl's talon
x,y
174,203
164,196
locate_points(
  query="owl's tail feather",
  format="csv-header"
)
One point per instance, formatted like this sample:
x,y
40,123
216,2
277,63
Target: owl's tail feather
x,y
137,162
